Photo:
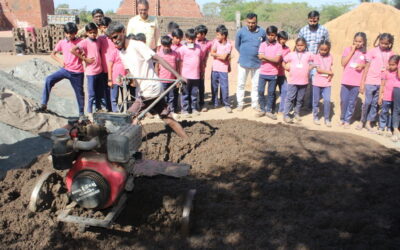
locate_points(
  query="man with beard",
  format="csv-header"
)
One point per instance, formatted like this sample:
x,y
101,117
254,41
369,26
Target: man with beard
x,y
139,59
313,33
97,15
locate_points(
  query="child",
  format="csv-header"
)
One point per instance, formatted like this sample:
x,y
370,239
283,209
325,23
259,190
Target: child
x,y
172,58
297,63
221,51
171,27
281,80
396,114
90,53
390,80
177,36
269,53
115,70
190,55
322,81
353,62
377,60
72,69
140,37
106,48
205,46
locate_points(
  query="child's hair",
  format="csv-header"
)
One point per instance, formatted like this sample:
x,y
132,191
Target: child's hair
x,y
383,36
272,30
283,35
172,26
222,30
131,37
96,11
190,33
300,39
364,37
177,33
105,21
395,58
114,27
325,42
201,29
70,28
166,41
140,37
90,26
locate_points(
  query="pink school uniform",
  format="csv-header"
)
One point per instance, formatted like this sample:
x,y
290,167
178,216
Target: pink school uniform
x,y
392,81
191,61
172,59
118,67
352,76
378,60
205,47
107,49
281,70
221,49
71,62
176,47
92,50
269,50
299,67
324,63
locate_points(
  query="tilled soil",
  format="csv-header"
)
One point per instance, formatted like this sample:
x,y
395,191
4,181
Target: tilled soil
x,y
258,186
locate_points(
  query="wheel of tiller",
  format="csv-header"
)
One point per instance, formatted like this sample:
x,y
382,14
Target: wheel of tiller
x,y
187,210
43,183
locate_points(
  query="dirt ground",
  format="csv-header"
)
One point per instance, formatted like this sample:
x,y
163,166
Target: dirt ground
x,y
258,186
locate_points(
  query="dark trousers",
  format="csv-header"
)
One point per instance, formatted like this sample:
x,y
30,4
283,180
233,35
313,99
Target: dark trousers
x,y
201,92
114,97
172,97
295,93
348,101
385,117
369,110
95,87
190,92
106,99
76,80
326,96
220,79
266,106
282,84
396,108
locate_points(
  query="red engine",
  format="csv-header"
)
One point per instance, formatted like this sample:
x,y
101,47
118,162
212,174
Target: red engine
x,y
94,182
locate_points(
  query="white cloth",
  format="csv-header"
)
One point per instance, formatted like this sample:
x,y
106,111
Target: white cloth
x,y
148,27
138,59
241,83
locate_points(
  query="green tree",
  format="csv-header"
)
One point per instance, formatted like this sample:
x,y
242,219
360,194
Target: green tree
x,y
85,16
62,9
329,12
211,9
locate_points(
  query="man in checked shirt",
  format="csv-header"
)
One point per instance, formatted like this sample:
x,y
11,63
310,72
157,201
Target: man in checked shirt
x,y
313,33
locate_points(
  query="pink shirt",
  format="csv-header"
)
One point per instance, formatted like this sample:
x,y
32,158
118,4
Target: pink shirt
x,y
221,49
118,67
172,59
352,76
378,60
324,63
269,50
191,61
205,47
281,70
106,49
299,67
176,47
71,62
392,81
92,50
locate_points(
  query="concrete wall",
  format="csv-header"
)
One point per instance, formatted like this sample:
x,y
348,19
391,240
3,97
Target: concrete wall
x,y
24,13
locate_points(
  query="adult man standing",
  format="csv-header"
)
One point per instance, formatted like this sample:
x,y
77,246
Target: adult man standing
x,y
97,15
143,23
139,59
248,40
313,33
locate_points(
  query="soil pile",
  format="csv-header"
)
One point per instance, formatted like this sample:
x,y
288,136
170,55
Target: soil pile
x,y
259,186
371,18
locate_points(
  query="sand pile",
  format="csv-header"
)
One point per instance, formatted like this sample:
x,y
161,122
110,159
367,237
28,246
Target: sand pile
x,y
371,18
260,186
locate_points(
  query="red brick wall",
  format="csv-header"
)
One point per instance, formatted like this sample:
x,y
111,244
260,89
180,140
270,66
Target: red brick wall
x,y
181,8
21,13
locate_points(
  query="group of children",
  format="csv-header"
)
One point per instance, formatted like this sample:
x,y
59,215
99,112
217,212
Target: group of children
x,y
373,73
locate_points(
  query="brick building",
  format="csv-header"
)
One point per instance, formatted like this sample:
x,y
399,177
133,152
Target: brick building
x,y
181,8
24,13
